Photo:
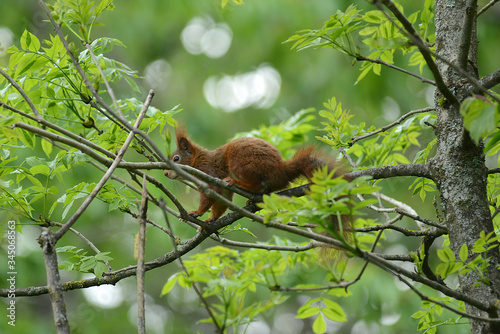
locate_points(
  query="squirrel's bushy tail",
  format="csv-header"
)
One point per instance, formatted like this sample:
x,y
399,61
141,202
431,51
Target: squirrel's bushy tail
x,y
306,161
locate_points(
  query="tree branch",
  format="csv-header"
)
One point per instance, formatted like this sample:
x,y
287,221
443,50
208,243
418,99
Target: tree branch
x,y
54,285
63,131
115,276
108,174
22,92
141,249
209,192
410,31
486,7
491,80
87,241
387,127
393,171
103,76
112,278
391,267
465,38
378,61
444,305
195,286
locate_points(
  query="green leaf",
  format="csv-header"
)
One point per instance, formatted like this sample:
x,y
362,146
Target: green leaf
x,y
480,117
40,169
169,285
29,41
446,254
492,142
307,312
47,147
319,325
105,4
103,256
88,264
464,252
368,31
419,314
336,314
99,269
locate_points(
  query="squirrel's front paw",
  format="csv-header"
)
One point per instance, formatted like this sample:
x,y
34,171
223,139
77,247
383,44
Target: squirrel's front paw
x,y
194,214
229,180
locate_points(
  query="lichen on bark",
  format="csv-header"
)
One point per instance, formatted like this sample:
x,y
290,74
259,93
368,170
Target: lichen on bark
x,y
458,166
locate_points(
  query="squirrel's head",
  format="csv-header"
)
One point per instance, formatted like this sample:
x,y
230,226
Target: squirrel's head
x,y
185,153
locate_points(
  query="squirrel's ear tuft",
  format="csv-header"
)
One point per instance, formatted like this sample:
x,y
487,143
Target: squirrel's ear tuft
x,y
180,131
184,145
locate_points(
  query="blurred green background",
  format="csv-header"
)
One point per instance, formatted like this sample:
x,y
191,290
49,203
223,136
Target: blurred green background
x,y
179,50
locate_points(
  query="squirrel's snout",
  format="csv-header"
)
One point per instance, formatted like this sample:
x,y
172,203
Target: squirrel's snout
x,y
170,174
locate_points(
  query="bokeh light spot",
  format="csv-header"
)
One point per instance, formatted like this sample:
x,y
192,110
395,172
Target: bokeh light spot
x,y
203,36
258,89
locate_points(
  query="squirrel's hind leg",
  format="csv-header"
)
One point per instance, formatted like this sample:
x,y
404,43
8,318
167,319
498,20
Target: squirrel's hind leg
x,y
218,208
252,187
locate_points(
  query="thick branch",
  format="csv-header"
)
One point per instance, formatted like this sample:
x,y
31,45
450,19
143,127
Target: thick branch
x,y
141,250
393,171
410,31
465,38
114,277
54,284
414,276
490,80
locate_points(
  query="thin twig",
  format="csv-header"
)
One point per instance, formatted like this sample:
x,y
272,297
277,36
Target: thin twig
x,y
108,174
444,305
103,76
393,268
141,248
388,226
387,127
61,130
87,241
182,174
178,256
303,248
21,91
413,216
344,285
486,7
394,67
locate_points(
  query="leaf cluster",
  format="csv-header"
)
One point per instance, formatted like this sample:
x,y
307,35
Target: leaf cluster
x,y
370,37
465,264
78,260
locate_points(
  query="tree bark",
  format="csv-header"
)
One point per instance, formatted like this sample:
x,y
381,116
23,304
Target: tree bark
x,y
54,283
459,167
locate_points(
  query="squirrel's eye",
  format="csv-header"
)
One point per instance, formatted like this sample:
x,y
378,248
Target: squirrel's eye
x,y
176,158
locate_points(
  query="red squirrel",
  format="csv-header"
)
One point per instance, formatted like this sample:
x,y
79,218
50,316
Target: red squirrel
x,y
249,163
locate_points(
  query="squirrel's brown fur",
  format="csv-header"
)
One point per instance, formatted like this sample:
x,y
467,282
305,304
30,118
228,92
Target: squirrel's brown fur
x,y
249,163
